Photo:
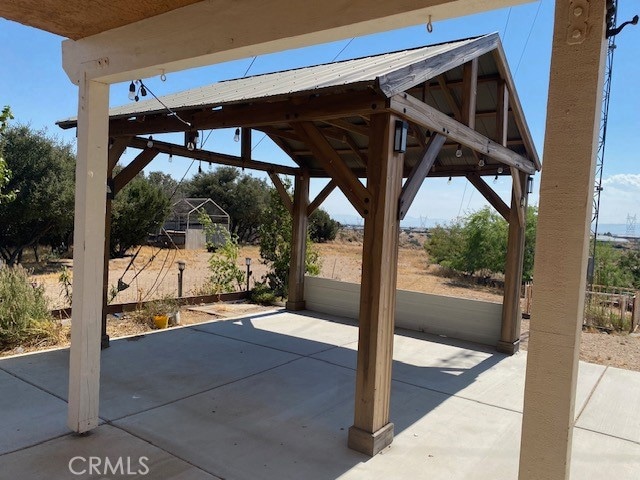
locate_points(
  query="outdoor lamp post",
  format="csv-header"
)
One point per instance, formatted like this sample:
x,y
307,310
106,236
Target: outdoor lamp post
x,y
248,262
181,265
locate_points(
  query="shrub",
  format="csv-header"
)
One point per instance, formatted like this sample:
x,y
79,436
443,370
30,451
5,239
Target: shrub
x,y
226,276
262,294
24,314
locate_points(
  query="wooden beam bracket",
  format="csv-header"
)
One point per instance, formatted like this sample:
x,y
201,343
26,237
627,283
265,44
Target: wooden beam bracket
x,y
321,197
282,191
490,195
418,174
333,164
129,172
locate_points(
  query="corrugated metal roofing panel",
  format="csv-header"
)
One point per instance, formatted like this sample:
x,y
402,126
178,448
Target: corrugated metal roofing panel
x,y
366,69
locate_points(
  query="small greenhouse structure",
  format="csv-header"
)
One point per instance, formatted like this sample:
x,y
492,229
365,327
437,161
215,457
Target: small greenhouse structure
x,y
184,226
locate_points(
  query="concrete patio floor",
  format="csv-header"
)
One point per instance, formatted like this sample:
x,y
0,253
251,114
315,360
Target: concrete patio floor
x,y
271,397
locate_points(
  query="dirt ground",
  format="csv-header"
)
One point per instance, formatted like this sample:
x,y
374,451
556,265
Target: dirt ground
x,y
153,273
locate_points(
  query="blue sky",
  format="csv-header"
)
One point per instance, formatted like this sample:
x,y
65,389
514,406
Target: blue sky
x,y
33,83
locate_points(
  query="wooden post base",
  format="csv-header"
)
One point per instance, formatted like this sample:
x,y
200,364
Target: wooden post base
x,y
295,306
508,347
370,443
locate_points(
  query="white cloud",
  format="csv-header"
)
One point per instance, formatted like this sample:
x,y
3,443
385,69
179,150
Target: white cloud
x,y
620,197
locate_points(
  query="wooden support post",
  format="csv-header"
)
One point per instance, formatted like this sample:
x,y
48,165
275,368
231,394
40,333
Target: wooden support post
x,y
295,300
371,430
511,311
116,149
502,114
470,90
245,147
635,315
562,243
88,254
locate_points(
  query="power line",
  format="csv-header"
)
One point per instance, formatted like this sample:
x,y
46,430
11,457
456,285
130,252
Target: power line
x,y
343,49
528,37
506,25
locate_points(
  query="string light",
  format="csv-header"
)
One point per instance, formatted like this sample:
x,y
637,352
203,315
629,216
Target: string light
x,y
449,181
170,157
132,91
481,162
143,91
459,151
495,179
150,142
500,170
200,167
236,137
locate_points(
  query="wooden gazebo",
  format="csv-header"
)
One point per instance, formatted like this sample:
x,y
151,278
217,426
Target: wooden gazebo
x,y
116,41
440,110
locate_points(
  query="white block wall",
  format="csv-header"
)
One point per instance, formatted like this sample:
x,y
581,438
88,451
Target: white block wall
x,y
472,320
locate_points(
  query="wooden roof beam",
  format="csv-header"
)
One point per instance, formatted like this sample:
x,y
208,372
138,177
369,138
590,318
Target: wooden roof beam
x,y
416,111
419,173
213,157
251,115
502,114
333,164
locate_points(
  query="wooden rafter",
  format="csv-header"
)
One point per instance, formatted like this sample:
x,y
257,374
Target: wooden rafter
x,y
419,173
490,195
245,146
282,191
321,197
134,168
252,115
449,97
212,157
333,164
349,127
356,149
416,111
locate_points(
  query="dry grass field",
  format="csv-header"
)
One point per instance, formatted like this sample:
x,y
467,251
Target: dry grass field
x,y
153,274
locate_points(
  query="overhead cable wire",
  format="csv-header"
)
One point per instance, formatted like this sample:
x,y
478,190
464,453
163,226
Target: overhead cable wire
x,y
528,37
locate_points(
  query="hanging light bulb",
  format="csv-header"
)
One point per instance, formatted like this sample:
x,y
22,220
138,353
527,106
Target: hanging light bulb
x,y
500,170
200,167
132,91
150,142
449,181
459,151
143,91
170,157
191,146
481,162
495,179
236,137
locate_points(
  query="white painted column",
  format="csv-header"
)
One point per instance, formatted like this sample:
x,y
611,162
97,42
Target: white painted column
x,y
88,255
575,95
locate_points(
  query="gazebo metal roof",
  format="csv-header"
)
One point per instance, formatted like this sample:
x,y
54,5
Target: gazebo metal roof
x,y
268,103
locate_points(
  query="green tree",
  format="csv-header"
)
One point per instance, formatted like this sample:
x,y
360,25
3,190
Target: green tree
x,y
630,264
170,187
610,266
5,173
275,245
42,179
478,243
242,196
139,209
322,228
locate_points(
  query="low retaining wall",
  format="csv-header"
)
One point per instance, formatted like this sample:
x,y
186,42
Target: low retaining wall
x,y
472,320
